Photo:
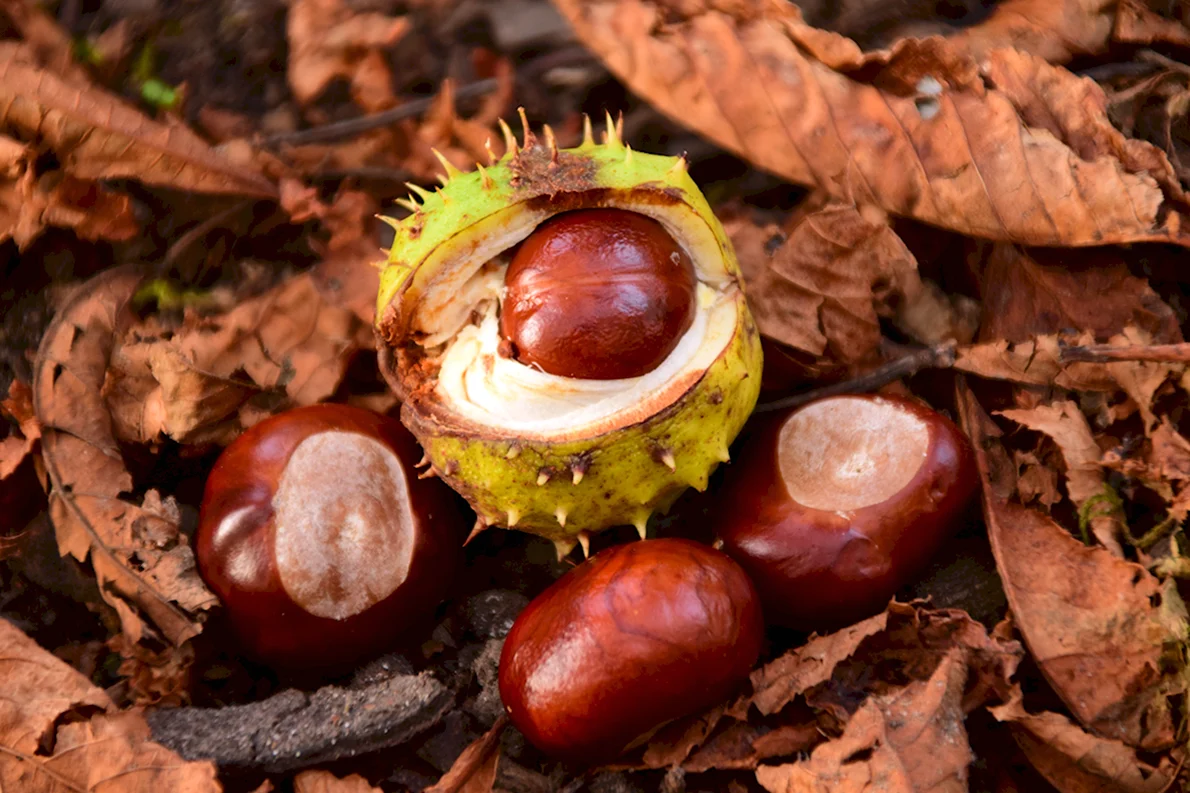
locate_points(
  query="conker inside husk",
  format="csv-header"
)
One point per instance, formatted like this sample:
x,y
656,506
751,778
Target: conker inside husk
x,y
637,635
597,294
320,539
832,507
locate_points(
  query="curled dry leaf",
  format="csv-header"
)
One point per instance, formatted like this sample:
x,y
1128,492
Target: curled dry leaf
x,y
347,274
1138,24
1027,294
105,751
1036,362
28,204
1055,30
143,564
328,39
195,384
319,781
1100,628
97,136
1085,482
802,695
934,142
825,287
474,771
912,739
1074,761
20,443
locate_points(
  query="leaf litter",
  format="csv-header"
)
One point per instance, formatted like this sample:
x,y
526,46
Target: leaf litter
x,y
968,193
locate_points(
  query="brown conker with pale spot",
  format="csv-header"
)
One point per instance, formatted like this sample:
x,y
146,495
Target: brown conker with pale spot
x,y
834,506
597,294
321,541
635,636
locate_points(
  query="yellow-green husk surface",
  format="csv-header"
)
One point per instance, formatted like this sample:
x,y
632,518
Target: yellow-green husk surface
x,y
568,487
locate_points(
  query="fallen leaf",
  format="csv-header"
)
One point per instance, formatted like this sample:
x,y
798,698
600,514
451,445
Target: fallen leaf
x,y
936,144
1141,379
139,556
475,769
29,205
195,383
777,683
19,444
1101,647
1055,30
319,781
97,136
826,286
1074,761
1037,361
328,40
45,39
1036,480
105,751
1034,293
911,740
1085,481
1138,24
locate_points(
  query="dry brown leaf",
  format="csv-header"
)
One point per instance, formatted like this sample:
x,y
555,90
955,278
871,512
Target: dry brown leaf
x,y
910,740
347,274
1027,294
1141,379
474,771
936,145
1074,761
136,550
1036,481
833,675
319,781
826,286
776,684
1137,24
17,446
38,689
110,752
194,384
154,678
1065,423
1034,362
97,136
28,205
328,39
45,39
744,746
1055,30
1093,622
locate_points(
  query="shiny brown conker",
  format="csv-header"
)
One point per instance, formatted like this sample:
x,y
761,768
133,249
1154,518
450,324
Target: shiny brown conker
x,y
834,506
321,541
635,636
597,294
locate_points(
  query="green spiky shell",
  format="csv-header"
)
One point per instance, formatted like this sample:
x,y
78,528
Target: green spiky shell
x,y
563,490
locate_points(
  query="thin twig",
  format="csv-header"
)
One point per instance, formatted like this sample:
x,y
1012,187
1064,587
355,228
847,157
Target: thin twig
x,y
354,126
941,356
1106,353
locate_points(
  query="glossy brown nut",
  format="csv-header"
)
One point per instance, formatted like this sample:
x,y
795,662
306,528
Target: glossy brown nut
x,y
597,294
321,541
635,636
832,507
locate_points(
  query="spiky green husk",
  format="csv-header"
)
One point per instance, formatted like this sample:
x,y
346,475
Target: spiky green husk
x,y
563,490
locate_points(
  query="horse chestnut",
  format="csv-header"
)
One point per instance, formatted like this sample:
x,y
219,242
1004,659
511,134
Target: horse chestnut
x,y
320,539
832,507
597,294
637,635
